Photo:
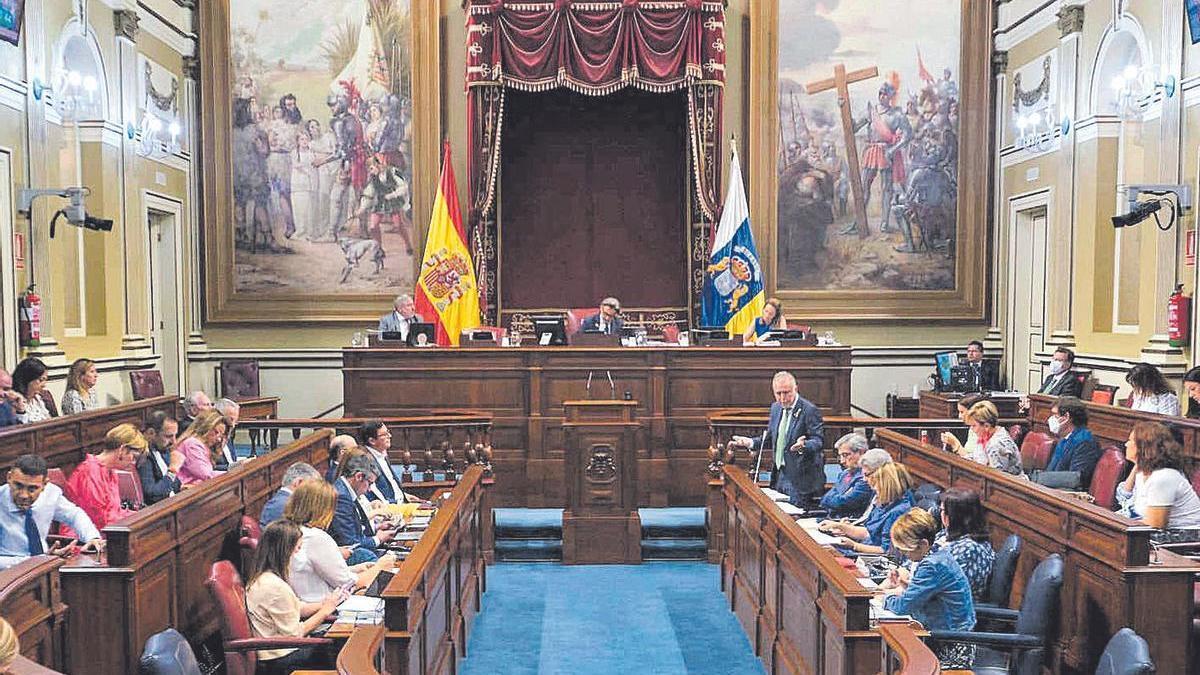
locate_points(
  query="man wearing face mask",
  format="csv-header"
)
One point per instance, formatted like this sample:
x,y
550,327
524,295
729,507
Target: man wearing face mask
x,y
1076,452
1062,381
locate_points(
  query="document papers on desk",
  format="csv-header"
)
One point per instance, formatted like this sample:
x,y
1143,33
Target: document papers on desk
x,y
878,613
810,528
774,495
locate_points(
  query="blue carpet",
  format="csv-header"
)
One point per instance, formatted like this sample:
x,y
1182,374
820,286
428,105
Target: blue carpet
x,y
601,619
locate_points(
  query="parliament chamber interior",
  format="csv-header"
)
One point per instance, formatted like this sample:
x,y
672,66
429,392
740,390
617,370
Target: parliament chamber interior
x,y
435,337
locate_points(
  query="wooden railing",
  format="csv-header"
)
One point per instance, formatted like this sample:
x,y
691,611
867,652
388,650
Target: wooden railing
x,y
362,652
427,441
904,652
63,441
31,600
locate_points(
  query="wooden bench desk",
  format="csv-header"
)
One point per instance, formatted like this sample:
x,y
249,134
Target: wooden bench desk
x,y
31,600
803,611
63,441
1111,579
152,574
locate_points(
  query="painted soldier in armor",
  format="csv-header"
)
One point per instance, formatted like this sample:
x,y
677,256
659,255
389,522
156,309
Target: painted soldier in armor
x,y
888,132
350,153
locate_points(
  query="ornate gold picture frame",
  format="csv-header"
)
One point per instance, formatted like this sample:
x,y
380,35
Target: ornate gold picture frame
x,y
962,292
354,284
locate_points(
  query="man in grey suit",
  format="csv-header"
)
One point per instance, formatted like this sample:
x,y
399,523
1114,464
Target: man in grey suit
x,y
607,321
795,432
401,318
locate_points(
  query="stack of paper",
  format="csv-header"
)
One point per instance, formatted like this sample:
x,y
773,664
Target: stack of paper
x,y
810,528
361,603
774,495
790,509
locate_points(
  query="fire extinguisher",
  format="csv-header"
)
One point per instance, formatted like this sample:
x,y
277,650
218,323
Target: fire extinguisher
x,y
29,317
1179,317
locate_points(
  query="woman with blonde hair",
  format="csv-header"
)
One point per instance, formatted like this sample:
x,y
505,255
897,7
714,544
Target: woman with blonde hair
x,y
199,445
995,447
771,319
320,567
93,484
937,593
893,498
9,646
80,395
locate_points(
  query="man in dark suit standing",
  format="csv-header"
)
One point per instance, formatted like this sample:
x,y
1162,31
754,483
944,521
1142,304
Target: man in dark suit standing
x,y
986,372
795,432
351,524
1063,380
608,321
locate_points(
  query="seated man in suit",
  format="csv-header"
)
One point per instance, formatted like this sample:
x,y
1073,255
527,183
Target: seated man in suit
x,y
231,411
1076,449
339,445
987,373
1063,380
376,441
795,433
158,467
401,318
195,403
607,321
292,478
29,503
352,524
850,494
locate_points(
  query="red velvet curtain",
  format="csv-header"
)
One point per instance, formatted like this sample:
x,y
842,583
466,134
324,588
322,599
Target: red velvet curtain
x,y
593,48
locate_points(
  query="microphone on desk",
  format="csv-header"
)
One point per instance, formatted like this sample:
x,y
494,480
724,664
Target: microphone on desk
x,y
762,446
611,384
588,388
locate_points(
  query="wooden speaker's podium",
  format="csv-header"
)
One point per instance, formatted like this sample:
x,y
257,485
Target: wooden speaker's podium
x,y
601,523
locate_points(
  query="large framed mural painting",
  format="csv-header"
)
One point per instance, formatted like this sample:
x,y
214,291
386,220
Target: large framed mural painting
x,y
874,139
320,151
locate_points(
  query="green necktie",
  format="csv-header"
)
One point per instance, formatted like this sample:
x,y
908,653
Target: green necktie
x,y
781,436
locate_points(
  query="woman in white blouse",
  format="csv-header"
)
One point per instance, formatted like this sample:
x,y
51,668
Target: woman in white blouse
x,y
1151,393
1158,490
80,395
320,567
29,379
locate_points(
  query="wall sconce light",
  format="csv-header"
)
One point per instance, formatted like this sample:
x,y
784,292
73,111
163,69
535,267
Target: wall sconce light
x,y
1137,87
1038,129
158,139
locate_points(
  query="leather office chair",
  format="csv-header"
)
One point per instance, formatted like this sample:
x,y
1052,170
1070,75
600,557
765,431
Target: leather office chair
x,y
168,653
146,384
239,642
1106,476
239,379
1104,394
576,316
130,486
670,333
1036,449
1004,568
249,532
48,401
1033,624
1126,654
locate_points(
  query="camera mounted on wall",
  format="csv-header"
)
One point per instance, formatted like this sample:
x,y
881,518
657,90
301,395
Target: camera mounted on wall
x,y
75,212
1136,211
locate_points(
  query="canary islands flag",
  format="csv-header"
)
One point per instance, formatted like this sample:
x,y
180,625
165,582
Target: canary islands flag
x,y
446,290
733,285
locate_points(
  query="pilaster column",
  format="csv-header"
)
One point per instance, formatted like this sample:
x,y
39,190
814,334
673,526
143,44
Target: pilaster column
x,y
1060,251
994,341
37,67
189,106
133,228
1170,170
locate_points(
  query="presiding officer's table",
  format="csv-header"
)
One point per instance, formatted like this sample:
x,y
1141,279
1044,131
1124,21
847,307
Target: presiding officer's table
x,y
524,389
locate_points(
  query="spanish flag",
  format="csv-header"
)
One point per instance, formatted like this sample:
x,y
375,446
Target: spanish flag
x,y
446,289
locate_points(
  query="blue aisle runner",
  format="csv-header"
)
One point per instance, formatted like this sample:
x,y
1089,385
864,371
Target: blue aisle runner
x,y
651,618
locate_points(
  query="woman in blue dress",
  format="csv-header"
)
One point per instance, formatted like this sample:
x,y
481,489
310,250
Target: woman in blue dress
x,y
771,319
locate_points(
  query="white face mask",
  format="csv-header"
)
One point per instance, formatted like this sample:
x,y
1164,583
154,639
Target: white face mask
x,y
1055,425
1056,367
